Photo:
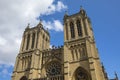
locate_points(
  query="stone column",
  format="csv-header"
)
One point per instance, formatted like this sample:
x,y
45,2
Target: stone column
x,y
78,54
16,64
36,40
39,64
45,42
69,33
83,28
25,43
30,41
32,61
38,44
66,71
75,29
74,54
22,44
19,65
65,32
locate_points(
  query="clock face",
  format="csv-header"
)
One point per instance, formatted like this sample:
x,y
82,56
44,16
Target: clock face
x,y
53,69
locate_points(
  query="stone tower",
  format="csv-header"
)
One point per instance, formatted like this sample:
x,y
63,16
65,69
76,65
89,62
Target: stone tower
x,y
77,59
28,61
81,60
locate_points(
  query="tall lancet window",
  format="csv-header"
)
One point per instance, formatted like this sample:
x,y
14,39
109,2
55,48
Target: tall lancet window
x,y
33,40
79,28
28,41
43,42
72,30
66,31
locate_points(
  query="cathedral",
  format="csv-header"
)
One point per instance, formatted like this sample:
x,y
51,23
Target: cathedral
x,y
77,59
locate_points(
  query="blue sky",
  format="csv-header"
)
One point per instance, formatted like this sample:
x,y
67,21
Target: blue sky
x,y
104,15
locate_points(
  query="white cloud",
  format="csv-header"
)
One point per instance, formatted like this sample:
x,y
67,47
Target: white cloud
x,y
58,25
53,25
3,41
50,46
5,72
15,14
60,6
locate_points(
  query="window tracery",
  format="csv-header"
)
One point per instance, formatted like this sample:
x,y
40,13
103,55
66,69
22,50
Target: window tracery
x,y
53,69
81,74
79,28
66,31
72,30
33,40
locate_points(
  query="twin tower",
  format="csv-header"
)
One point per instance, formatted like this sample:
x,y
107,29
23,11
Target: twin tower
x,y
77,59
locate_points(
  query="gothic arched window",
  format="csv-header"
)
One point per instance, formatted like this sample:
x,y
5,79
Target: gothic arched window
x,y
33,40
79,28
53,69
66,31
81,74
72,30
28,41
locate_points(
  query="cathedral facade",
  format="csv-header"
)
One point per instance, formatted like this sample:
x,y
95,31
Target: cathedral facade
x,y
77,59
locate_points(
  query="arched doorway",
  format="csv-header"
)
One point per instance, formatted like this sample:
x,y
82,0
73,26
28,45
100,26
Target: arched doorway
x,y
81,74
23,78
